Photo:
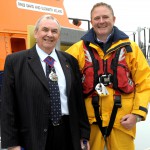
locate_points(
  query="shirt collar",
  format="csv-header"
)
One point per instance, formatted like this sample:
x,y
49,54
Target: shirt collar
x,y
43,55
109,36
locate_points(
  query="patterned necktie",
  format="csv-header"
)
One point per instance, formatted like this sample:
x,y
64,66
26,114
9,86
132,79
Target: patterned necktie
x,y
55,105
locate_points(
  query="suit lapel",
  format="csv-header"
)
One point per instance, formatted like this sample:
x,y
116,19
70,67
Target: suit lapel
x,y
66,69
35,64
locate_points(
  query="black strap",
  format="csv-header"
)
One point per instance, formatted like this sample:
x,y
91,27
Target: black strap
x,y
95,68
114,65
117,104
114,68
95,99
95,103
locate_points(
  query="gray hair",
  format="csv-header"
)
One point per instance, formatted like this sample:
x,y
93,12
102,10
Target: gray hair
x,y
46,17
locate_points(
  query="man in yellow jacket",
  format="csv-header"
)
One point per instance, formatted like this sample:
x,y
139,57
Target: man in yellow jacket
x,y
115,75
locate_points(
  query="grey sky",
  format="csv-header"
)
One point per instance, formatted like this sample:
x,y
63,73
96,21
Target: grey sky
x,y
129,13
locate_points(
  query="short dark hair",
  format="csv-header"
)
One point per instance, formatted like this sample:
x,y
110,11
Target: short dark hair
x,y
102,4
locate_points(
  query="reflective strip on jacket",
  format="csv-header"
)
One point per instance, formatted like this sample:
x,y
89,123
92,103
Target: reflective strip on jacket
x,y
137,101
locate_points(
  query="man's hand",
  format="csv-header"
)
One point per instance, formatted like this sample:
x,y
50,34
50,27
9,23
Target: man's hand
x,y
128,121
14,148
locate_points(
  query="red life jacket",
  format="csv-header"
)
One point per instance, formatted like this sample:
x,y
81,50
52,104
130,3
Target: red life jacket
x,y
112,72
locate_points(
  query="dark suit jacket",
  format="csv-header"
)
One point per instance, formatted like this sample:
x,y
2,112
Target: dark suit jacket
x,y
25,101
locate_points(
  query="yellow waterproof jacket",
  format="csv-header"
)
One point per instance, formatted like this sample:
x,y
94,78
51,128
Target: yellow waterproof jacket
x,y
136,102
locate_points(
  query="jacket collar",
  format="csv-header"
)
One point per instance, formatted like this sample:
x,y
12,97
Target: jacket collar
x,y
117,35
35,64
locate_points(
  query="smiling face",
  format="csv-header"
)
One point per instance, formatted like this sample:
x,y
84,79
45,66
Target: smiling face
x,y
102,20
47,33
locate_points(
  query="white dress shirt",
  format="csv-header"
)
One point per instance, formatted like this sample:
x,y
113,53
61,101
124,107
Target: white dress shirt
x,y
61,77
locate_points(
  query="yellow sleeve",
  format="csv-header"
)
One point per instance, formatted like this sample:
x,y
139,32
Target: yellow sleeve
x,y
141,76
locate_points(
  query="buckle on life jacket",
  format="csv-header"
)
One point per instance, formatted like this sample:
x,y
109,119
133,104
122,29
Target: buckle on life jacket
x,y
106,79
101,89
117,101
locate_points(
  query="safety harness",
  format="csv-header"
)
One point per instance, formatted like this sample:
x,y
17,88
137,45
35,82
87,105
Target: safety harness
x,y
108,79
